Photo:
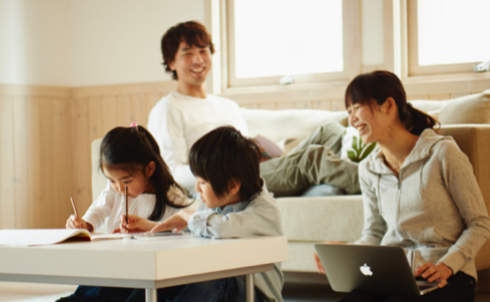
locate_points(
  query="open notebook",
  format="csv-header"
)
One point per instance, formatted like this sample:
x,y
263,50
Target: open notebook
x,y
51,236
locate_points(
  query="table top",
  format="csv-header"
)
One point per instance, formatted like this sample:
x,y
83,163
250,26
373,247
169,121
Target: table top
x,y
142,259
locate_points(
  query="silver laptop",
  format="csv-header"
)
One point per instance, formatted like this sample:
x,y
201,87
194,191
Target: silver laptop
x,y
376,269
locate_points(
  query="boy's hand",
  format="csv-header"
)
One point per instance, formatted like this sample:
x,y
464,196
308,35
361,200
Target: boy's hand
x,y
135,224
75,222
439,272
175,223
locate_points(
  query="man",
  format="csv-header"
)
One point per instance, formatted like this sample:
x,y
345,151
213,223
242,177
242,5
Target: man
x,y
183,116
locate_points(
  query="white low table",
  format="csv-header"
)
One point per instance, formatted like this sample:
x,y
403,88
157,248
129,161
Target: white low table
x,y
143,264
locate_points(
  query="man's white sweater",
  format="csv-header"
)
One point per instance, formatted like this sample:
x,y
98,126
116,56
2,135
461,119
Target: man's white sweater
x,y
177,121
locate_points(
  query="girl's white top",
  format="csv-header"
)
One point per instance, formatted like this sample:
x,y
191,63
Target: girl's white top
x,y
111,205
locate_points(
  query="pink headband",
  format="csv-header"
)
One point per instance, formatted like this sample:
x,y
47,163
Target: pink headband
x,y
134,125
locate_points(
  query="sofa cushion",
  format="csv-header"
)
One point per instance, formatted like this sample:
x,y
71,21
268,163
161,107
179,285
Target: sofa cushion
x,y
469,109
295,123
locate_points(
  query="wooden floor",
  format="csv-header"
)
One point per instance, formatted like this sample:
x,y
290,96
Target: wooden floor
x,y
296,292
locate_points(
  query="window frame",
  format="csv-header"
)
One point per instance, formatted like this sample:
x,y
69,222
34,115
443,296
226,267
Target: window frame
x,y
351,49
414,69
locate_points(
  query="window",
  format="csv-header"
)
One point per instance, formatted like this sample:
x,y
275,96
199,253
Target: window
x,y
310,40
447,36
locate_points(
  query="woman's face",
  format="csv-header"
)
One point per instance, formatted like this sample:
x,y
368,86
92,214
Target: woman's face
x,y
366,119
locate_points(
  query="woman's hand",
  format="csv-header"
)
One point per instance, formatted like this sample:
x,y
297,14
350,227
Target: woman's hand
x,y
75,222
318,263
176,222
135,224
439,272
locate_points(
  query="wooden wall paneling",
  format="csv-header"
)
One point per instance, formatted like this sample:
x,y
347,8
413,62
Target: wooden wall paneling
x,y
417,97
269,106
338,105
81,144
96,117
63,163
439,97
249,106
21,147
151,99
7,188
110,113
47,134
137,109
302,105
34,162
284,105
457,95
123,108
322,105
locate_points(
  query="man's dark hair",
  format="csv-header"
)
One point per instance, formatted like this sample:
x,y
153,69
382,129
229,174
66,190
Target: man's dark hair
x,y
192,32
224,154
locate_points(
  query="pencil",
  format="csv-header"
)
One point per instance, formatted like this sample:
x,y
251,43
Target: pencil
x,y
74,207
126,193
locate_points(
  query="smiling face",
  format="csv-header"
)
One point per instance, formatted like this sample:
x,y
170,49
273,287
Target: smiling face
x,y
363,117
192,64
137,182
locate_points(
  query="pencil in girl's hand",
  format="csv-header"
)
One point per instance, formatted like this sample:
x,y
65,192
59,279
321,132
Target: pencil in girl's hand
x,y
74,207
126,195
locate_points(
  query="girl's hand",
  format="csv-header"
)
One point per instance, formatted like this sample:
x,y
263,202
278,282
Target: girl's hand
x,y
175,223
75,222
439,272
135,224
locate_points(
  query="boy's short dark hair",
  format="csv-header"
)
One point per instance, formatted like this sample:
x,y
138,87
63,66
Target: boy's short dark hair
x,y
192,32
225,154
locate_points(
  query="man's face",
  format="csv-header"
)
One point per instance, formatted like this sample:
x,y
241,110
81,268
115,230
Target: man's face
x,y
192,64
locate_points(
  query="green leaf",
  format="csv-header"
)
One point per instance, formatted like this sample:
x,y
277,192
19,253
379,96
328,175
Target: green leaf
x,y
367,151
354,143
352,156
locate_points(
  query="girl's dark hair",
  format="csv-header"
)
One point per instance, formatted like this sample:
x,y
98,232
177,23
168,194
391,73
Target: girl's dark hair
x,y
378,86
192,32
225,154
132,149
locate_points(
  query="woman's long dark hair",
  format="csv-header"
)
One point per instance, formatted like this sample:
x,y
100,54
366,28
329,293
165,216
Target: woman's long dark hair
x,y
378,86
132,149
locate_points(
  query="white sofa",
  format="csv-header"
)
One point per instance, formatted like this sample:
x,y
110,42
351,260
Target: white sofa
x,y
307,220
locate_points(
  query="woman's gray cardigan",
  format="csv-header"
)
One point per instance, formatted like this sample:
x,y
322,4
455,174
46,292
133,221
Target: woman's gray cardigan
x,y
434,209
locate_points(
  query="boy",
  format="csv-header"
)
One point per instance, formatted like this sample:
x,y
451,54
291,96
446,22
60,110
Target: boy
x,y
236,204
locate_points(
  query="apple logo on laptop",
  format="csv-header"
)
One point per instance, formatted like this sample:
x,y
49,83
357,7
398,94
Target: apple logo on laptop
x,y
366,270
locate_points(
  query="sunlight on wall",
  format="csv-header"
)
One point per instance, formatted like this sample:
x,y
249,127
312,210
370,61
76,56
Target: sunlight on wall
x,y
12,42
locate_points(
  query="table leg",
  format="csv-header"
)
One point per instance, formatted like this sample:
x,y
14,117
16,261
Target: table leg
x,y
151,295
249,288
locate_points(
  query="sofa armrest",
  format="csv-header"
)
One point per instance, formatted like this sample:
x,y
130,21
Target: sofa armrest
x,y
474,141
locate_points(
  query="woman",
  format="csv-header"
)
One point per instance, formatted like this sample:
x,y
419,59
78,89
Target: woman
x,y
419,191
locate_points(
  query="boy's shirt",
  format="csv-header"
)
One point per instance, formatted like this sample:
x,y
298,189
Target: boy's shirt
x,y
258,216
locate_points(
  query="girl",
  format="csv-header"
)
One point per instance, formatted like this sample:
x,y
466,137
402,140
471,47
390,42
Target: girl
x,y
419,191
131,157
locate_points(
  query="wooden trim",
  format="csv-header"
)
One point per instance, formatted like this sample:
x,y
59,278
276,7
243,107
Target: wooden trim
x,y
122,89
414,68
35,90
